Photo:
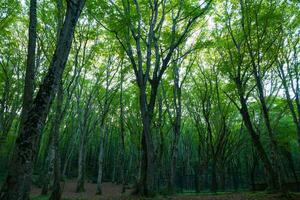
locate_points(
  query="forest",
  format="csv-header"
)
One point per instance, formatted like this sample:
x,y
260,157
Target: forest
x,y
149,99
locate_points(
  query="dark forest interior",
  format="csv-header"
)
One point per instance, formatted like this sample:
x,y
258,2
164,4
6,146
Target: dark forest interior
x,y
158,99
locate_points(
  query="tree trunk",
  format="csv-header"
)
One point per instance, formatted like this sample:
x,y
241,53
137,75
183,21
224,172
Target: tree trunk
x,y
160,172
56,188
84,134
214,185
197,182
252,172
257,144
100,160
30,68
122,133
291,164
176,127
273,144
18,181
172,181
199,177
47,174
67,159
222,179
146,183
81,164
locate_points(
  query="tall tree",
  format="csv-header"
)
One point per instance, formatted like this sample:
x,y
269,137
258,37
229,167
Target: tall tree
x,y
236,67
288,72
105,104
56,187
149,63
176,116
262,48
18,180
30,68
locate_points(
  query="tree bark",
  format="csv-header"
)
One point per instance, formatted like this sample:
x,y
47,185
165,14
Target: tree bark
x,y
49,165
256,63
146,185
85,129
81,163
104,131
100,160
273,144
214,185
30,68
152,75
56,188
18,181
176,128
122,133
257,144
253,170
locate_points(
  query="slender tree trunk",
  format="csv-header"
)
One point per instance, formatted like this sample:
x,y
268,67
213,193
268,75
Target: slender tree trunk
x,y
273,143
104,134
100,160
18,181
176,127
122,133
84,133
201,167
56,188
291,164
172,181
81,164
142,168
67,159
257,144
160,172
222,180
252,172
198,179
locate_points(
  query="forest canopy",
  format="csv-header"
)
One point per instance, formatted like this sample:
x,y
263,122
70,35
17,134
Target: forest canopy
x,y
157,96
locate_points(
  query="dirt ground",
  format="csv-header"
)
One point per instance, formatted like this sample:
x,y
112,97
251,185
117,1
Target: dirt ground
x,y
112,191
109,190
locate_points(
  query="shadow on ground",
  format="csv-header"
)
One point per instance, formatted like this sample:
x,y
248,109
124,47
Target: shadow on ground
x,y
112,191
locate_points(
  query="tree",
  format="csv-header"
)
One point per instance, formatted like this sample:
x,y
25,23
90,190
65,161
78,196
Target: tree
x,y
176,117
148,62
237,67
17,182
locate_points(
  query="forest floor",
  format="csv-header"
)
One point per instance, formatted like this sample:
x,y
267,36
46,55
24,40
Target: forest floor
x,y
112,191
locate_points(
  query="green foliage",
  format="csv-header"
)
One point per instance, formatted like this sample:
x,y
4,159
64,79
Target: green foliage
x,y
217,56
